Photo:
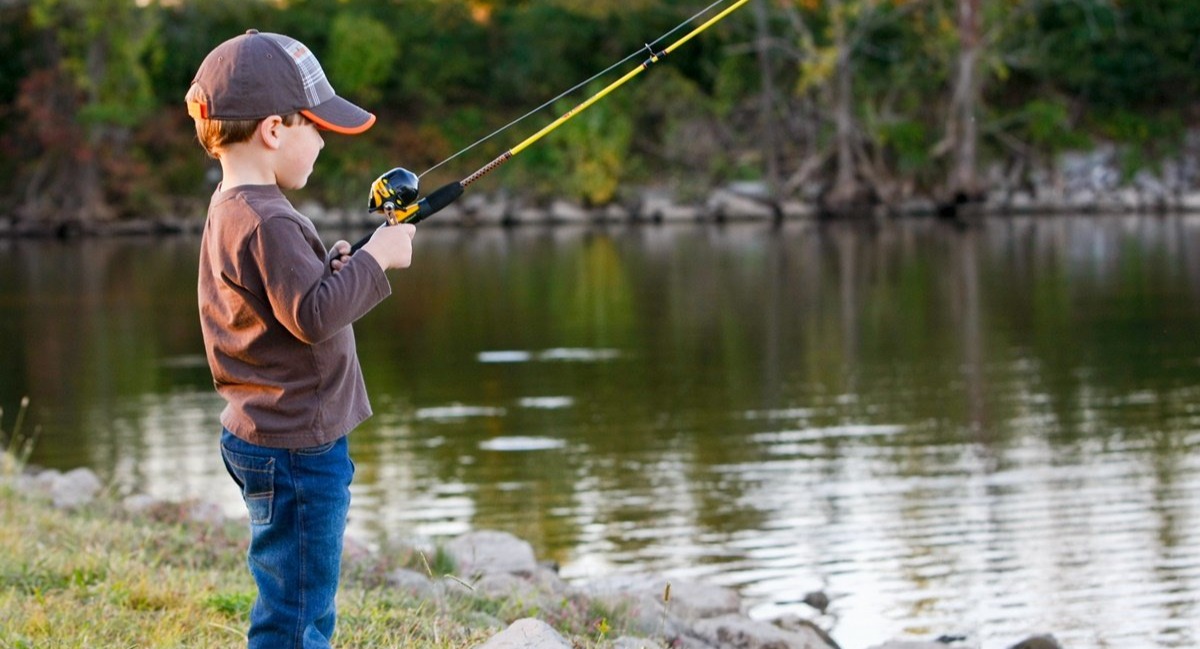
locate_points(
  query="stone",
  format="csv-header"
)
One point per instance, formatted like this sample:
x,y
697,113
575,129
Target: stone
x,y
726,204
1044,641
818,600
631,642
140,504
796,623
910,644
1190,201
563,211
488,551
795,209
74,488
661,208
737,632
356,552
510,587
411,582
688,599
207,513
527,633
615,212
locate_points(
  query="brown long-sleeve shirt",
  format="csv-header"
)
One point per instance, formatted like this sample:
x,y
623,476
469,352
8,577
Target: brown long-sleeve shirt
x,y
277,321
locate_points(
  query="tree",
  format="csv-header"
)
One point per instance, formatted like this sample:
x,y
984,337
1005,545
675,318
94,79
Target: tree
x,y
94,90
962,127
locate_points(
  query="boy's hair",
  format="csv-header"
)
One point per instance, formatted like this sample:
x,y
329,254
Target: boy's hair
x,y
215,134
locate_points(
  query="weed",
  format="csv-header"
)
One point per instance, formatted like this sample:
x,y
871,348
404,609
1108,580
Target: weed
x,y
18,447
231,604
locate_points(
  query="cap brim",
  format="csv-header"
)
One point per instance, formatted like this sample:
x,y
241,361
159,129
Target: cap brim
x,y
340,116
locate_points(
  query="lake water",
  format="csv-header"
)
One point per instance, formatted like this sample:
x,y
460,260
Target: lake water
x,y
990,431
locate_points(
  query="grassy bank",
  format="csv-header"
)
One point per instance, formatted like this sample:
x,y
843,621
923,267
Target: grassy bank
x,y
99,576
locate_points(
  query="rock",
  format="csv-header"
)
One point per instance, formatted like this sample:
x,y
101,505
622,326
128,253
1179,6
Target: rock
x,y
1190,201
630,642
140,504
199,511
727,204
644,613
528,215
1044,641
452,214
614,212
487,210
737,632
486,551
910,644
661,208
355,551
562,211
688,600
694,600
547,579
315,212
798,210
69,490
817,600
411,582
799,624
509,587
1021,201
527,633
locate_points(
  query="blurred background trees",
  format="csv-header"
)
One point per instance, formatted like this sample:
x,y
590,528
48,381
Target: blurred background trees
x,y
847,103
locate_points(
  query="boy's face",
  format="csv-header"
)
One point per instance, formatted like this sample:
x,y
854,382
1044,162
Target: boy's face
x,y
299,145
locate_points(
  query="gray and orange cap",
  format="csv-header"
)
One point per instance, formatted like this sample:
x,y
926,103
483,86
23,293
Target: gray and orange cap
x,y
259,74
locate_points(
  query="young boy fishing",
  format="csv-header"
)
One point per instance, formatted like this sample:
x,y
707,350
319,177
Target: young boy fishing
x,y
276,310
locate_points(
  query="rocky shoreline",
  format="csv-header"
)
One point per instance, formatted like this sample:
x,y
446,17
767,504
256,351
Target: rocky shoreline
x,y
1087,184
661,613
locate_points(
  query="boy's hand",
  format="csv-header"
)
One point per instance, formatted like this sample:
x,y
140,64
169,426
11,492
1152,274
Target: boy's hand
x,y
391,246
341,254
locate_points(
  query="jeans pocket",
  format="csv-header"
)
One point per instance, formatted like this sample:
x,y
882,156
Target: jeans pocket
x,y
316,450
256,477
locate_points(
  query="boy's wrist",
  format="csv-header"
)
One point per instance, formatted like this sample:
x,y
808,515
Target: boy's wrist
x,y
366,249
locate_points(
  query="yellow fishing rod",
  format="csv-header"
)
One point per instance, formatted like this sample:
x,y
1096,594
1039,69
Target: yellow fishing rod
x,y
394,192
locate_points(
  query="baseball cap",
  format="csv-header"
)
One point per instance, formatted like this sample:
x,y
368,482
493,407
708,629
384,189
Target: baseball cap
x,y
258,74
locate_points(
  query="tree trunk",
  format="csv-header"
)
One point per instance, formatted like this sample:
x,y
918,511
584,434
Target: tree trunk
x,y
846,194
92,203
768,99
964,182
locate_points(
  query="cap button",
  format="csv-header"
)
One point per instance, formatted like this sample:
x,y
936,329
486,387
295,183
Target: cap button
x,y
251,31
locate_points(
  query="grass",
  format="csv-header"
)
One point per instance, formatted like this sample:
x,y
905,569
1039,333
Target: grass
x,y
99,576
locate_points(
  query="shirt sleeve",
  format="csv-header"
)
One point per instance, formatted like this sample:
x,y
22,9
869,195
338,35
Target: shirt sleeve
x,y
311,301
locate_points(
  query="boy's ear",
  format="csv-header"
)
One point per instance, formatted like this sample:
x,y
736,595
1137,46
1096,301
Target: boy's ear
x,y
268,131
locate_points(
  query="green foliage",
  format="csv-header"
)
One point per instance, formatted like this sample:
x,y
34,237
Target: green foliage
x,y
1046,124
102,44
909,141
232,604
592,149
100,83
361,55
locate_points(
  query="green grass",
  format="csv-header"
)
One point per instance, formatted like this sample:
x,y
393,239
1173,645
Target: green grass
x,y
99,576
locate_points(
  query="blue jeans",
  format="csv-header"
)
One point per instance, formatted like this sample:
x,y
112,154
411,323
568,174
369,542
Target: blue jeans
x,y
298,500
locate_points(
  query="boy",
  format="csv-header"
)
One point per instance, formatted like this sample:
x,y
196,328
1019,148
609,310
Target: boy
x,y
276,310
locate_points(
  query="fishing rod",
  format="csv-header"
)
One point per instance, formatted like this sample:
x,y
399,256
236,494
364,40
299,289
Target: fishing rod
x,y
395,192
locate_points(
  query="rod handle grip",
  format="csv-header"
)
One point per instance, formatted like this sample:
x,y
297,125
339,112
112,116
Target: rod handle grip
x,y
436,202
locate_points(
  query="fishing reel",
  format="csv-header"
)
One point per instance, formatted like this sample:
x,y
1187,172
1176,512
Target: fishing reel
x,y
394,190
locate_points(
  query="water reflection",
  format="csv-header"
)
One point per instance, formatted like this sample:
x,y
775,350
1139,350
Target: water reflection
x,y
989,430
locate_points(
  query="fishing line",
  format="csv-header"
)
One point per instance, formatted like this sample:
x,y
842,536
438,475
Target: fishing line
x,y
394,192
637,53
